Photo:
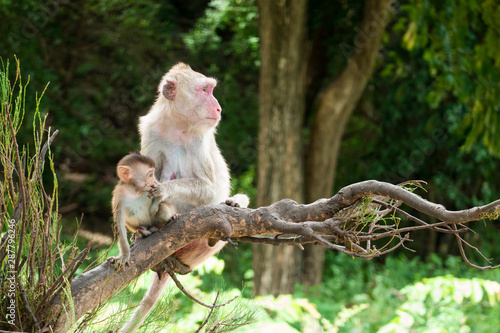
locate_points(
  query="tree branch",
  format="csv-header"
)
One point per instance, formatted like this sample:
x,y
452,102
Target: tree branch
x,y
342,222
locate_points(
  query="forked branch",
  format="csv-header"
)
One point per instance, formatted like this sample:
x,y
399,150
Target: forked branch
x,y
349,222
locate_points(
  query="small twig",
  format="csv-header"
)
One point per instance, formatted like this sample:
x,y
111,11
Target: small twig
x,y
209,314
417,182
407,248
181,287
41,163
323,241
58,284
225,323
411,217
365,236
45,147
401,242
460,242
21,201
465,228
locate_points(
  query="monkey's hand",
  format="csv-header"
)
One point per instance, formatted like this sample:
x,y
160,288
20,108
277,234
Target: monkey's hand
x,y
156,191
120,261
238,200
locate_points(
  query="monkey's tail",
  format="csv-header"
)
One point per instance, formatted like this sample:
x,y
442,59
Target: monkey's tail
x,y
154,292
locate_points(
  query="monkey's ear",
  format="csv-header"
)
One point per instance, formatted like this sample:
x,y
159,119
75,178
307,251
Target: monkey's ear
x,y
124,173
169,90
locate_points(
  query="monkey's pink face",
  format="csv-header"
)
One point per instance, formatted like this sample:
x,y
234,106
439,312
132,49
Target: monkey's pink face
x,y
193,99
209,110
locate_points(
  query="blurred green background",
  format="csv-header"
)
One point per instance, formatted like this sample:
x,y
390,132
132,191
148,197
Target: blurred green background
x,y
430,111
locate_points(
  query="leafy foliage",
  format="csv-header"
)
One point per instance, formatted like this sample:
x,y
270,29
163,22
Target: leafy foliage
x,y
104,60
366,296
441,304
397,133
383,289
37,267
459,41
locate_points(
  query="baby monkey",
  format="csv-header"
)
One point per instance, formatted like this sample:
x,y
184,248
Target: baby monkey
x,y
137,203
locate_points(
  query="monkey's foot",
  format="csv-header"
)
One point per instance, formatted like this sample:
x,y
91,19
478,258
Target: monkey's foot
x,y
119,261
176,266
233,244
213,241
238,200
231,202
160,225
142,232
172,265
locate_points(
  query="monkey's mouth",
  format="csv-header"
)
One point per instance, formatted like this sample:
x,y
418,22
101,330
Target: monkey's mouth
x,y
213,119
147,188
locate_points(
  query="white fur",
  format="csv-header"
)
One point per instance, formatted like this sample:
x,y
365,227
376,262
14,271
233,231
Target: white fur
x,y
178,135
136,210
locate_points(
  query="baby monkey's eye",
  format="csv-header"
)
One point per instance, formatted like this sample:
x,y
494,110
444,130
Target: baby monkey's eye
x,y
150,174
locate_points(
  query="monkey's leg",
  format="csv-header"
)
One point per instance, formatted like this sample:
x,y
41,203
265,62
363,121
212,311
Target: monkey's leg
x,y
154,292
145,231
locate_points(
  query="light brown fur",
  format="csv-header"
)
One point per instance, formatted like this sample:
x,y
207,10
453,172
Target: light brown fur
x,y
137,204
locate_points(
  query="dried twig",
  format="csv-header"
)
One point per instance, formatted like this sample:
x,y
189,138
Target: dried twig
x,y
58,284
181,287
209,314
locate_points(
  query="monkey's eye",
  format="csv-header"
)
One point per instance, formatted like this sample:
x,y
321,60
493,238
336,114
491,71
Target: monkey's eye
x,y
206,88
150,174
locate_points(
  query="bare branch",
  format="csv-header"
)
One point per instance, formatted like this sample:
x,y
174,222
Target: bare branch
x,y
347,222
460,242
209,314
412,218
210,306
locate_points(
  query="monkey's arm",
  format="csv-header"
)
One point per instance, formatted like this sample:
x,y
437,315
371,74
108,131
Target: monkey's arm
x,y
123,258
196,191
155,204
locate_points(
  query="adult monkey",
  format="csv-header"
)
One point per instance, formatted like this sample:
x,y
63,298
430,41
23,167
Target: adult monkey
x,y
178,133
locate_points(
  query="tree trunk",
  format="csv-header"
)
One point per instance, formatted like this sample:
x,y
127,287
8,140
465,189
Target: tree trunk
x,y
282,30
336,103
